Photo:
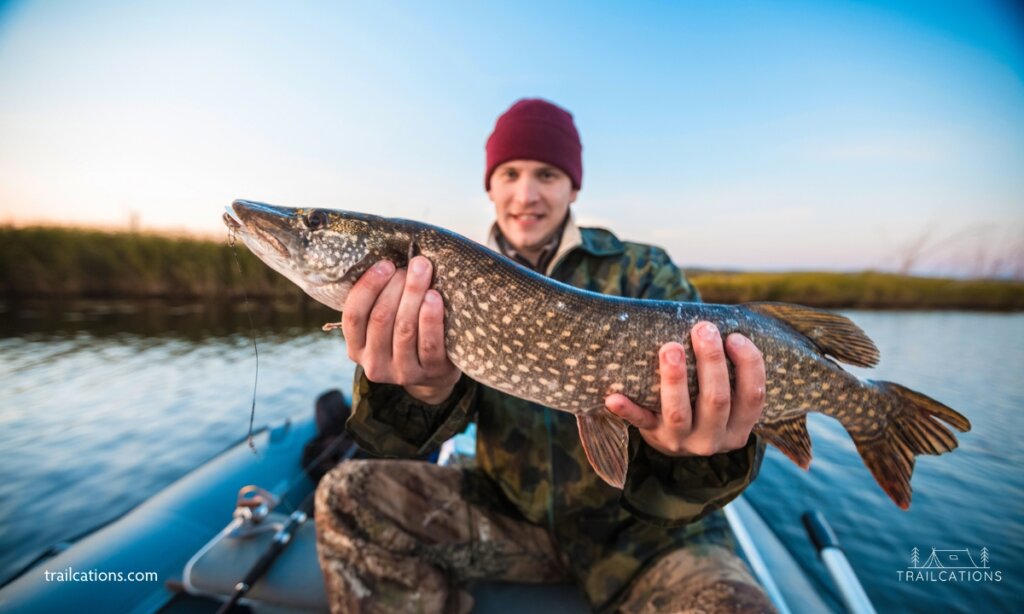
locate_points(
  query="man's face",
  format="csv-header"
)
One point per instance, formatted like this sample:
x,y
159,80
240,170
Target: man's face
x,y
530,201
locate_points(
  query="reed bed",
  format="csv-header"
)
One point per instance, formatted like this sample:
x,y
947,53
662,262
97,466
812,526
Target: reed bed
x,y
56,262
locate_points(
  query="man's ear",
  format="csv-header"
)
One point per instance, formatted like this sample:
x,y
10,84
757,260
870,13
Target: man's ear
x,y
572,196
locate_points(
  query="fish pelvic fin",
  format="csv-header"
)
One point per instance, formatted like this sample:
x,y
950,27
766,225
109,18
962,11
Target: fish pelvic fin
x,y
790,436
831,333
605,439
917,424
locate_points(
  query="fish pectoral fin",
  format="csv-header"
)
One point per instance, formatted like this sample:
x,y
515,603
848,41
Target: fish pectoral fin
x,y
605,439
790,436
831,333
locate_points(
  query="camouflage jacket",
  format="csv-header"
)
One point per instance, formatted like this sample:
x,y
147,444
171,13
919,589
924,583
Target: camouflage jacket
x,y
530,460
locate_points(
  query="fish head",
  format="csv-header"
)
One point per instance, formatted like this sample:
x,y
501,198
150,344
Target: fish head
x,y
323,251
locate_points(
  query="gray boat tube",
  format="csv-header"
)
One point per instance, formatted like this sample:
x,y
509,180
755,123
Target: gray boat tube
x,y
752,553
784,578
164,531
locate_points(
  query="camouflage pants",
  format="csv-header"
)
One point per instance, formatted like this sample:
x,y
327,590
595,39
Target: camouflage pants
x,y
397,536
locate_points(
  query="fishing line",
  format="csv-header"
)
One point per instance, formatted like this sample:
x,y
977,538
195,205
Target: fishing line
x,y
252,330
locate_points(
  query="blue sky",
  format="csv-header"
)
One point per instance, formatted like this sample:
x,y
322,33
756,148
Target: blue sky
x,y
772,135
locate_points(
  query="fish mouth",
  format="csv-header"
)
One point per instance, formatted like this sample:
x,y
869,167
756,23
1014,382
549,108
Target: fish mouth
x,y
268,225
231,220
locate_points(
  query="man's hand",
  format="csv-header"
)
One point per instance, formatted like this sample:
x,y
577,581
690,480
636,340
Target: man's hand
x,y
723,418
394,328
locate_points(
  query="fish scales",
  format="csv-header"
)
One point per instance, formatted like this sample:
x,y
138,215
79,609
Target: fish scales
x,y
544,341
502,315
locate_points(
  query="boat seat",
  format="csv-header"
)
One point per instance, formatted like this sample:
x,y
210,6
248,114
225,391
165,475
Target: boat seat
x,y
292,584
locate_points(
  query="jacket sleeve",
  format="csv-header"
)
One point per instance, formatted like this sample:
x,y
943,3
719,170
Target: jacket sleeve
x,y
387,421
673,491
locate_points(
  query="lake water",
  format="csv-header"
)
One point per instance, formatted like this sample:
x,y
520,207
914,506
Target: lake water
x,y
105,404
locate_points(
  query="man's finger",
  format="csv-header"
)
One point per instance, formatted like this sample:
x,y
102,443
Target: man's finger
x,y
404,347
621,406
432,352
359,303
676,413
714,400
748,398
381,325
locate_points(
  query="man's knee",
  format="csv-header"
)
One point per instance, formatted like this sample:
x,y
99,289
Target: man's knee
x,y
338,493
342,479
366,554
383,501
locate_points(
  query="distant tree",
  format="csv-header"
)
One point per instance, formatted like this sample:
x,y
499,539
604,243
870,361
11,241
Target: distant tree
x,y
915,557
984,557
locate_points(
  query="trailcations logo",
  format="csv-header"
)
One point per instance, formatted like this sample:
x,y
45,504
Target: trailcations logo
x,y
949,566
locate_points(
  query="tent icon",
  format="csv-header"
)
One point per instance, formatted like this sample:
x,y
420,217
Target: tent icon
x,y
951,559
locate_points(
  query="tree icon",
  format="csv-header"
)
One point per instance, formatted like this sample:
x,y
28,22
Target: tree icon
x,y
915,557
984,557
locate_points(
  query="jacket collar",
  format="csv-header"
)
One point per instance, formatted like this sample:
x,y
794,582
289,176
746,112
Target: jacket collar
x,y
594,241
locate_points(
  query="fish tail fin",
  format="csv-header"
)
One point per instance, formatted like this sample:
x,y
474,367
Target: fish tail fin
x,y
831,333
911,424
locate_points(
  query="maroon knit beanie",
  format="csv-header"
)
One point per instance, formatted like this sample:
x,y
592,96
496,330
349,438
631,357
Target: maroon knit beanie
x,y
535,129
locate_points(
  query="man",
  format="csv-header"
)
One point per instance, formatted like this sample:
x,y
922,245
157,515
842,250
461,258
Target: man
x,y
403,536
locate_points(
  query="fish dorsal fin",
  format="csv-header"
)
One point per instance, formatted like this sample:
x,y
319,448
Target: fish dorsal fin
x,y
605,439
790,436
832,333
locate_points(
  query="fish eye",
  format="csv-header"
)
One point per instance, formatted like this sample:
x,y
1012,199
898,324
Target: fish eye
x,y
316,220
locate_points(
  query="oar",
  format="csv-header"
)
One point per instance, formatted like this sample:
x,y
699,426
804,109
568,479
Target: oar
x,y
838,566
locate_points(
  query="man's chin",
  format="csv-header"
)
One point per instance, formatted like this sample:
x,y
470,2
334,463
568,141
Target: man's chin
x,y
527,243
535,236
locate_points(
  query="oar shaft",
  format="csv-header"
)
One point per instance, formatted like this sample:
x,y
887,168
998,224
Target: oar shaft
x,y
838,566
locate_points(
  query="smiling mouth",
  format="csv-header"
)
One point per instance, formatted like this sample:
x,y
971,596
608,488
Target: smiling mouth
x,y
527,217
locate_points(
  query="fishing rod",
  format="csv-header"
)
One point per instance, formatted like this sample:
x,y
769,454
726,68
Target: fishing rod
x,y
284,535
255,509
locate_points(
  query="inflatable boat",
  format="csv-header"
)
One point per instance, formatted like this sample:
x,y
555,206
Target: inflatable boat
x,y
190,547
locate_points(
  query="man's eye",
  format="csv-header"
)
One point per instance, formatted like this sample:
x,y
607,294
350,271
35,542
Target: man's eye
x,y
510,174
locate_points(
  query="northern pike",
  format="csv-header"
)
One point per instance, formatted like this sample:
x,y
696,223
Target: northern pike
x,y
532,337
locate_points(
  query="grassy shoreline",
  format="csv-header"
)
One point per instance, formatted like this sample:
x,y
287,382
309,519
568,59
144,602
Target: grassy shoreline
x,y
41,262
57,262
864,290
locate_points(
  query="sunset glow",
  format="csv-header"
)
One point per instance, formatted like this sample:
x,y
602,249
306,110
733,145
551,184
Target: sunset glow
x,y
777,135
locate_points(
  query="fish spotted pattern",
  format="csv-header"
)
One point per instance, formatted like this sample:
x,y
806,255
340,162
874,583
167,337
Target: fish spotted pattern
x,y
552,344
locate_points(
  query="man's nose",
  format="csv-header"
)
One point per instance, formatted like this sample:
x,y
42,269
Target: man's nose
x,y
527,190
